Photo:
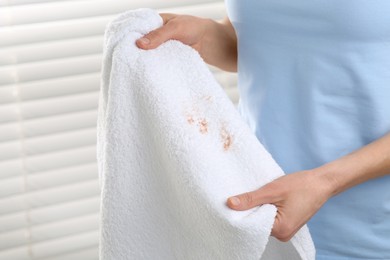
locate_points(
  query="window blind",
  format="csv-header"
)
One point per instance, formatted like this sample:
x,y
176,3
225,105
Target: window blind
x,y
50,61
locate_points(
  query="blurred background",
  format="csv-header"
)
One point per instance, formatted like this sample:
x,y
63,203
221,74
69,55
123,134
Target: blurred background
x,y
50,61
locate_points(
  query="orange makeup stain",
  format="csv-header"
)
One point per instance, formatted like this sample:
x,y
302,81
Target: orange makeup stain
x,y
203,126
227,138
190,119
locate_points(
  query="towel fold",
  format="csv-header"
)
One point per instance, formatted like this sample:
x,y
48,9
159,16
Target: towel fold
x,y
171,148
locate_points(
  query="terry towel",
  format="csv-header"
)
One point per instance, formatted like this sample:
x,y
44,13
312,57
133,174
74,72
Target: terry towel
x,y
171,148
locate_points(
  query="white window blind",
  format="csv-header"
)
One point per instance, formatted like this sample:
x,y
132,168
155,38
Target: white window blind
x,y
50,58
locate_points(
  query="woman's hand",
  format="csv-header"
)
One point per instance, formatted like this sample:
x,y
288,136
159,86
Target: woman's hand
x,y
297,196
185,28
215,41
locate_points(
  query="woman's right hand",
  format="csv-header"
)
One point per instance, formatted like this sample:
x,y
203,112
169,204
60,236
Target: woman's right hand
x,y
215,41
185,28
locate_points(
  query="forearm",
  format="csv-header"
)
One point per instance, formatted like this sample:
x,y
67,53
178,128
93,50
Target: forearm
x,y
219,45
369,162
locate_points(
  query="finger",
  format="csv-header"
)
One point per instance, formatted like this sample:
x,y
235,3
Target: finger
x,y
156,37
251,199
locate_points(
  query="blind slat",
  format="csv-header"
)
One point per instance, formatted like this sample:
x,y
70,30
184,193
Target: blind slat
x,y
61,159
7,95
53,247
48,107
46,70
49,196
51,50
66,244
48,125
91,253
60,123
9,132
48,179
60,141
10,168
60,105
9,113
50,231
23,2
46,162
50,213
10,150
63,86
46,32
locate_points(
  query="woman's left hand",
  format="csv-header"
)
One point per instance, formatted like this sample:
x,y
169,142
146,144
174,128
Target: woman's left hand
x,y
297,196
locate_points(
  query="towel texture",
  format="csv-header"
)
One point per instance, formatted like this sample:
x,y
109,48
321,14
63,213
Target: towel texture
x,y
171,148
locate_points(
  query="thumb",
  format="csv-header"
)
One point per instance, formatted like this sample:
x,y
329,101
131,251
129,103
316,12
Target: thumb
x,y
250,199
158,36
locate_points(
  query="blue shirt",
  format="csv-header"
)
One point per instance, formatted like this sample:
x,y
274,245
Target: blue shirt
x,y
314,83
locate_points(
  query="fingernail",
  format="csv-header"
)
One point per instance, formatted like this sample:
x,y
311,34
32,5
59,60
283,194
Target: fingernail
x,y
144,40
235,201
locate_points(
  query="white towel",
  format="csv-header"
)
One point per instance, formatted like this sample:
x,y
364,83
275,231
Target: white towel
x,y
171,148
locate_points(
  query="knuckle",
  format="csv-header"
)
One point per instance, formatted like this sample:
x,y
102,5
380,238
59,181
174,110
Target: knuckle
x,y
173,28
156,35
248,198
176,25
161,35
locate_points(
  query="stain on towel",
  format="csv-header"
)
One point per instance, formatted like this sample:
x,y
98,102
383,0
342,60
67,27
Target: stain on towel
x,y
203,125
227,138
196,113
190,119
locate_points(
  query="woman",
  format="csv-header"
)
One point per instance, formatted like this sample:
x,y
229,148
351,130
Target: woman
x,y
314,81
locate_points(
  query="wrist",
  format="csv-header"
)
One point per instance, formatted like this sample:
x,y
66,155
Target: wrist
x,y
327,176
